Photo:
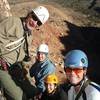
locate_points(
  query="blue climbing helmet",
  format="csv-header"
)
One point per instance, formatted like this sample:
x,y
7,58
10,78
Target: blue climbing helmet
x,y
76,59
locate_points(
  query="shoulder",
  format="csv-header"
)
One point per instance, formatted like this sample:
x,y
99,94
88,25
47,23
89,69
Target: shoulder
x,y
50,67
16,20
62,93
93,91
94,86
49,63
12,18
61,90
11,22
65,86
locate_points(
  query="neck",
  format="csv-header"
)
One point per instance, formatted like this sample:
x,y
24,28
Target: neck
x,y
77,88
78,85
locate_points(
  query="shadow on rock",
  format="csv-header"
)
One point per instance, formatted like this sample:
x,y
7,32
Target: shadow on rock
x,y
97,9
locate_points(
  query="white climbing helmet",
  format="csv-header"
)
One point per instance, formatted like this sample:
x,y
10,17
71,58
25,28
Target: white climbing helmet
x,y
42,13
43,48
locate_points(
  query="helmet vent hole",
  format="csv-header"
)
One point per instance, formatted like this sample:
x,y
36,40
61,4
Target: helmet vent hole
x,y
82,60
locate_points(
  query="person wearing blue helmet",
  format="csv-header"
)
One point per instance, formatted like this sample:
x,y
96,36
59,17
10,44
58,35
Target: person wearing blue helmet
x,y
79,87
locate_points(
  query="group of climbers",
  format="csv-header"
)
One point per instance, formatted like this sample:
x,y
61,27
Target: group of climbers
x,y
15,39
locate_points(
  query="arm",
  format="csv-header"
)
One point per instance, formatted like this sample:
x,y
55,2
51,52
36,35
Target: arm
x,y
9,85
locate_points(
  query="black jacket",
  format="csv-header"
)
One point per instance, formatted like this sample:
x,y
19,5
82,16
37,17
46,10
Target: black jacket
x,y
58,95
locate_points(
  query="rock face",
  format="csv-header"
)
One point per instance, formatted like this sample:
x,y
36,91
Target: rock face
x,y
4,9
66,29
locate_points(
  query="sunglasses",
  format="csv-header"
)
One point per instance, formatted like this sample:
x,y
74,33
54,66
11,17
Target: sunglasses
x,y
75,70
36,19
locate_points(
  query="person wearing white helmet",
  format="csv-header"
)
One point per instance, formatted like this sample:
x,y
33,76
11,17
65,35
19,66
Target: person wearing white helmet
x,y
42,50
79,87
42,67
15,39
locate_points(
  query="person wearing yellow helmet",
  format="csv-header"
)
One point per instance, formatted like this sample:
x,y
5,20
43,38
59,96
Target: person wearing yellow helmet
x,y
53,90
51,83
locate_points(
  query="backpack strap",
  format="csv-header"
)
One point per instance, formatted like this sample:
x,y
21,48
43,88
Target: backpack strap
x,y
27,56
26,34
82,89
16,44
10,47
95,86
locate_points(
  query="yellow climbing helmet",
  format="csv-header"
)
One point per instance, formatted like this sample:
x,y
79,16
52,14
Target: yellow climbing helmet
x,y
52,78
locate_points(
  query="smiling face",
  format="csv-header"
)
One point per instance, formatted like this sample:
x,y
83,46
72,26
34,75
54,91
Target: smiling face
x,y
32,21
75,75
41,56
50,87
